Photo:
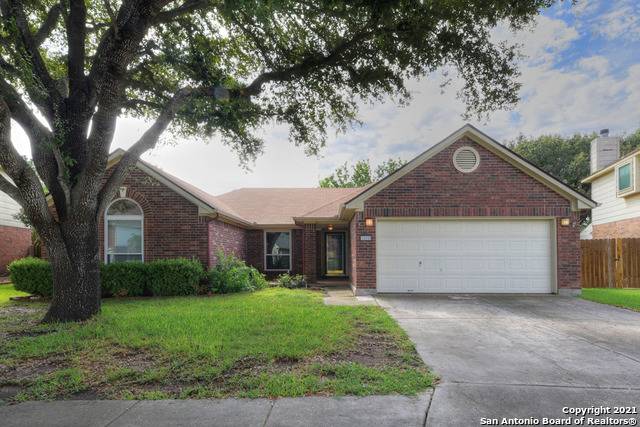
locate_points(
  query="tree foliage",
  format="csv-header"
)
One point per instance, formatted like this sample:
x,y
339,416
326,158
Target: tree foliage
x,y
360,173
69,69
567,157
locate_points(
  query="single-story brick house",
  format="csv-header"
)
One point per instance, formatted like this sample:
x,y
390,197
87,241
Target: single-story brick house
x,y
466,216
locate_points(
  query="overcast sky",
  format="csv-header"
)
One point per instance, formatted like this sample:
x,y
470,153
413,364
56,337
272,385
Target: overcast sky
x,y
582,74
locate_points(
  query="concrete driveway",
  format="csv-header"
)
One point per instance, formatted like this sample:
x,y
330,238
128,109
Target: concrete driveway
x,y
522,356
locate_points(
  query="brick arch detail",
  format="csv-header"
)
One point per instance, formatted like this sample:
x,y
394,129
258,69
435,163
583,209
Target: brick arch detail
x,y
172,225
137,197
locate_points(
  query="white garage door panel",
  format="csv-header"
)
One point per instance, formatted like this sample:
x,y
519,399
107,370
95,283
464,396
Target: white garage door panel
x,y
482,256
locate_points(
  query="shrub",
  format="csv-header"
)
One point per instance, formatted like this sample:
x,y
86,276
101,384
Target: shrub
x,y
169,277
159,278
232,275
124,279
288,281
32,275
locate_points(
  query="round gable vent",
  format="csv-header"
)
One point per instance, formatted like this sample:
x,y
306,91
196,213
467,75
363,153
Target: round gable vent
x,y
466,159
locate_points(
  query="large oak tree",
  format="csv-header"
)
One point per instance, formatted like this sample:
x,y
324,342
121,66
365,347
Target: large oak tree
x,y
69,69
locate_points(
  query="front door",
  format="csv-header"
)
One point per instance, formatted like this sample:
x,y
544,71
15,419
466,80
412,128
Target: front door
x,y
335,254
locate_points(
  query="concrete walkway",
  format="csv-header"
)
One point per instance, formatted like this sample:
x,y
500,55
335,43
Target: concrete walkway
x,y
522,356
343,295
306,411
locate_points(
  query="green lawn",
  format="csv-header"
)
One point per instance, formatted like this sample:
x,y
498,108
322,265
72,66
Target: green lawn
x,y
626,298
275,342
8,291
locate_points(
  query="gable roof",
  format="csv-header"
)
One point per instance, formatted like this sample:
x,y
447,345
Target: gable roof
x,y
255,206
578,200
263,207
207,204
610,167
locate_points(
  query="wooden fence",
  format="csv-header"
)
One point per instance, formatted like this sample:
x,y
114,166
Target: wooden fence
x,y
610,263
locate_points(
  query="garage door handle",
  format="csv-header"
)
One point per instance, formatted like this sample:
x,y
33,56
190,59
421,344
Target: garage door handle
x,y
420,263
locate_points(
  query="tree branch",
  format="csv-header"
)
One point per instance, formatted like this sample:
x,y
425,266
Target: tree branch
x,y
46,154
187,7
76,33
316,61
8,67
147,141
48,25
13,9
107,81
150,138
22,114
26,189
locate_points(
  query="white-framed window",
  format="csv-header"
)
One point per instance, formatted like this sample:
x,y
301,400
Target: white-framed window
x,y
624,177
277,248
123,232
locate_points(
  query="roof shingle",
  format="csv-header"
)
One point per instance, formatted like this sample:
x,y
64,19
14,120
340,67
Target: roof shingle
x,y
279,206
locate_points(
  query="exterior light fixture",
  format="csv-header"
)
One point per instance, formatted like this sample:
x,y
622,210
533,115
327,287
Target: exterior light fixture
x,y
330,227
368,222
565,222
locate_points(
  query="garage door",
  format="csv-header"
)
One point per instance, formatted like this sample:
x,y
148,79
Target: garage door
x,y
466,256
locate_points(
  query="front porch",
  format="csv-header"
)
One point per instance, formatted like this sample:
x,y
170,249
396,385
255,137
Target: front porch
x,y
327,255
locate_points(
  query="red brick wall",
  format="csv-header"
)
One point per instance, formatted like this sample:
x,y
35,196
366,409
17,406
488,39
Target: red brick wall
x,y
14,243
255,248
310,259
363,260
172,226
495,188
228,238
569,253
297,251
626,228
353,238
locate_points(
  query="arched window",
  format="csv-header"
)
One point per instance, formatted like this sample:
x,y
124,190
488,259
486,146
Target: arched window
x,y
123,231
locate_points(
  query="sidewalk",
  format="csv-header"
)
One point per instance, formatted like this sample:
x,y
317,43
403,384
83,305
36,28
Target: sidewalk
x,y
304,411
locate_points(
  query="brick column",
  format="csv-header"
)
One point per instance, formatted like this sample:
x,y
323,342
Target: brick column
x,y
364,256
309,259
569,254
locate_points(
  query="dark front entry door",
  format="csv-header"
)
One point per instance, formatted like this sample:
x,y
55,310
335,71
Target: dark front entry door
x,y
335,254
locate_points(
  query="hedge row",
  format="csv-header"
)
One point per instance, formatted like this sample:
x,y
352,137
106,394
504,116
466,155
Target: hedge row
x,y
158,278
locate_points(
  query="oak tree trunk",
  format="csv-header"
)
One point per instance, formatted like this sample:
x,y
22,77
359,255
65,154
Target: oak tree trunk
x,y
75,266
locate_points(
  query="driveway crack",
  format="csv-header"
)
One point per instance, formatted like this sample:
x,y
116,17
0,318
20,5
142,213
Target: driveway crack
x,y
426,414
266,420
121,414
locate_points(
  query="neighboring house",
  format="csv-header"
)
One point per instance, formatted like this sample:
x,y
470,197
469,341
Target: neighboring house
x,y
15,237
587,232
467,215
615,186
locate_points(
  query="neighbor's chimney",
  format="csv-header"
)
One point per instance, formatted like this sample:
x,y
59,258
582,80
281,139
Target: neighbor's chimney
x,y
605,150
